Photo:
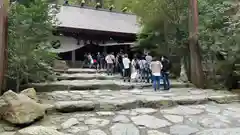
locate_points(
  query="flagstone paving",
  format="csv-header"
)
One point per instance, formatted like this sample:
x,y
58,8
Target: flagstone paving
x,y
178,120
107,100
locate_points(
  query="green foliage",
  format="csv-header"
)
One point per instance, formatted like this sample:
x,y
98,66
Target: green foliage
x,y
30,33
164,26
218,32
219,28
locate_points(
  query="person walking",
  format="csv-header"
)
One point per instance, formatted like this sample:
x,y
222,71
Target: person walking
x,y
110,63
99,56
120,62
90,60
165,71
148,58
85,61
142,64
156,67
104,63
135,69
126,65
147,67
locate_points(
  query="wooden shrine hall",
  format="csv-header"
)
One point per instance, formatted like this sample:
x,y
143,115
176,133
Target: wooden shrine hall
x,y
87,30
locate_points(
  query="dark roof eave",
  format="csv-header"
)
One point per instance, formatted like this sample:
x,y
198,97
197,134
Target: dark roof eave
x,y
97,31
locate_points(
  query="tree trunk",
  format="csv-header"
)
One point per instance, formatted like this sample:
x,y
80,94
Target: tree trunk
x,y
195,57
3,43
196,64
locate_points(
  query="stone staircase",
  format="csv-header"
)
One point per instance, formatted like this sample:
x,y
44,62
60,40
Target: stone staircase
x,y
89,79
86,90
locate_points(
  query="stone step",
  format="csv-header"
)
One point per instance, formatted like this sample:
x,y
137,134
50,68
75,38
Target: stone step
x,y
97,84
107,100
79,70
86,76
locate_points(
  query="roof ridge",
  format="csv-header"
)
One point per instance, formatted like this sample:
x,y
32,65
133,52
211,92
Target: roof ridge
x,y
99,9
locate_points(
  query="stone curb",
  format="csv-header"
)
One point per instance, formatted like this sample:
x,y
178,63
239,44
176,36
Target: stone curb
x,y
87,78
98,77
78,71
111,86
116,105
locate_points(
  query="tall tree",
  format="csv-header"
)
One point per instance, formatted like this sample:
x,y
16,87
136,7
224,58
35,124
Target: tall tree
x,y
30,35
195,56
3,41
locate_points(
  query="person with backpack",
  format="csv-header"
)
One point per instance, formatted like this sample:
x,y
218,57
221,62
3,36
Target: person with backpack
x,y
110,59
119,63
135,69
149,59
147,72
165,72
142,65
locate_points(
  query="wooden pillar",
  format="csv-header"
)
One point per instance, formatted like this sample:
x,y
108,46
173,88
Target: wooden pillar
x,y
126,49
3,41
73,58
105,49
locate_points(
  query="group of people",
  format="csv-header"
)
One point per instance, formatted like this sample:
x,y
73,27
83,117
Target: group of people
x,y
144,68
95,61
147,69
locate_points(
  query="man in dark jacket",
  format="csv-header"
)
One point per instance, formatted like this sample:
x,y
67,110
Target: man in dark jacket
x,y
165,72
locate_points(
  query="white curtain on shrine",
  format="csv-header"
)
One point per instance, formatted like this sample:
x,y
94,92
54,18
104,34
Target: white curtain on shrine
x,y
67,44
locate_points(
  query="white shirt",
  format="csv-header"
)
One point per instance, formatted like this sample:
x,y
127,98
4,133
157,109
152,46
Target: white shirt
x,y
126,63
156,67
110,58
142,63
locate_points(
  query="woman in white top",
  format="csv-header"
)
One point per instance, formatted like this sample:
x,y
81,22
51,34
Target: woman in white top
x,y
156,67
90,59
127,70
135,69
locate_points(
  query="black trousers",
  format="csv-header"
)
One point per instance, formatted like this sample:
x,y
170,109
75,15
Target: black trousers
x,y
127,74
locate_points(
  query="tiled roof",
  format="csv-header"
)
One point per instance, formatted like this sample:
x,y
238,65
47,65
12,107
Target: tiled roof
x,y
92,19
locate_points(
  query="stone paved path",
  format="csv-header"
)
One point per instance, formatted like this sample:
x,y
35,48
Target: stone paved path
x,y
107,100
93,107
207,119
